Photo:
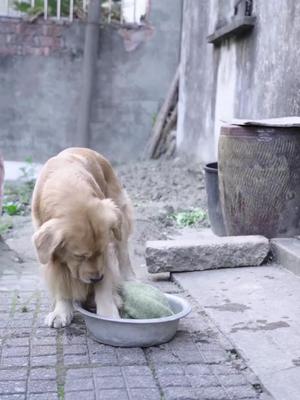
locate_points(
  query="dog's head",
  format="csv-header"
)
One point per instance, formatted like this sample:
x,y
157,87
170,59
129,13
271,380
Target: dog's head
x,y
80,239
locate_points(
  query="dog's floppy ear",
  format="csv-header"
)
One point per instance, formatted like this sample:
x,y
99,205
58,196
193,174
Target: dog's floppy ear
x,y
113,217
47,239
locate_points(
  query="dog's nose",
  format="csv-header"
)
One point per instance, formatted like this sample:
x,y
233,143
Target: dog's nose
x,y
96,280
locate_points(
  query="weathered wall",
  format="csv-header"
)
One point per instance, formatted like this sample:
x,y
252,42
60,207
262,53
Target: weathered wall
x,y
40,83
254,76
131,90
40,67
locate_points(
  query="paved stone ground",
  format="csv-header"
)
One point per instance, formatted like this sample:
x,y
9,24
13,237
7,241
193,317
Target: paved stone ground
x,y
40,363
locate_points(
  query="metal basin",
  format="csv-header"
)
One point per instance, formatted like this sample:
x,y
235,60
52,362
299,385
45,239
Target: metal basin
x,y
136,332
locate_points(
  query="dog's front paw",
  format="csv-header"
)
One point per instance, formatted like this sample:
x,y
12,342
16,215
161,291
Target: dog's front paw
x,y
108,311
58,320
60,317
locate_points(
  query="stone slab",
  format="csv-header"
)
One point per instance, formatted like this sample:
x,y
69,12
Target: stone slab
x,y
258,309
198,253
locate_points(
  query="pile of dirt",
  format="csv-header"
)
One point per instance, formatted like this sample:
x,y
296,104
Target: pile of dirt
x,y
159,189
176,183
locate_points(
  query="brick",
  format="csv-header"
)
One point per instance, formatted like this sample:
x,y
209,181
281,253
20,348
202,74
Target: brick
x,y
232,380
46,41
141,370
116,394
203,381
212,393
183,346
104,359
42,361
180,393
11,38
145,394
167,369
57,43
4,309
43,350
42,386
131,356
27,316
160,356
13,374
109,382
14,397
97,348
45,332
12,387
15,361
215,357
43,396
15,351
46,51
24,323
173,380
108,371
198,369
142,381
225,369
51,30
241,392
42,373
190,357
78,373
6,27
71,340
75,349
201,253
3,323
73,385
17,342
209,347
33,51
18,332
80,396
73,359
44,341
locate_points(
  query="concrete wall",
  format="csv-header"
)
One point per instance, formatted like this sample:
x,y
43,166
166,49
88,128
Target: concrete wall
x,y
131,90
40,80
254,76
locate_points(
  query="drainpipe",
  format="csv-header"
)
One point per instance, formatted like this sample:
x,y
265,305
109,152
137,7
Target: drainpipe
x,y
90,56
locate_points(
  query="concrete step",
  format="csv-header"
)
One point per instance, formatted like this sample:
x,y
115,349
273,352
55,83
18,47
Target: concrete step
x,y
203,250
286,252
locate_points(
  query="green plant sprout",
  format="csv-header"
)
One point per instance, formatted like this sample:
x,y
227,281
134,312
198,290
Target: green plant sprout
x,y
189,218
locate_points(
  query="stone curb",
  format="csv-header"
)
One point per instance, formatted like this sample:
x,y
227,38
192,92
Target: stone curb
x,y
205,253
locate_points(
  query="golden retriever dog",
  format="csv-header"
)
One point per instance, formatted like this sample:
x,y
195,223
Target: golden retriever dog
x,y
82,218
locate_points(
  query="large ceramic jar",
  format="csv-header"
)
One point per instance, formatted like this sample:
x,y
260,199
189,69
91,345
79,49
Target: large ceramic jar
x,y
259,180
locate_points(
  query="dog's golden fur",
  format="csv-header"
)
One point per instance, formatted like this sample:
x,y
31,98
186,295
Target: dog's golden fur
x,y
83,218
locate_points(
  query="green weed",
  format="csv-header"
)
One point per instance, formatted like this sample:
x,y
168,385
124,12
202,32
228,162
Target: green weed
x,y
12,208
61,392
189,218
17,195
